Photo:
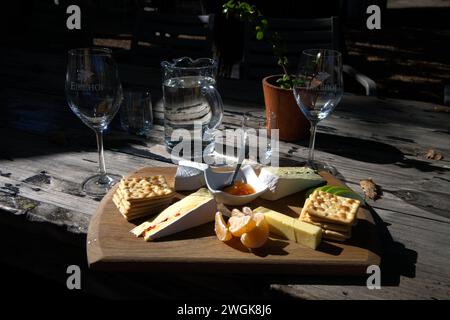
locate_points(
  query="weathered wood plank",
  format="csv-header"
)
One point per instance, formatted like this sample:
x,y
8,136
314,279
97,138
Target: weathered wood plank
x,y
47,195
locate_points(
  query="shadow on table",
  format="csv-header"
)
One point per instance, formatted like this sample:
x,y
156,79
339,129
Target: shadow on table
x,y
26,144
47,250
370,151
397,261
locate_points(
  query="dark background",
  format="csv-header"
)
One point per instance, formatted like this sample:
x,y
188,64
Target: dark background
x,y
409,58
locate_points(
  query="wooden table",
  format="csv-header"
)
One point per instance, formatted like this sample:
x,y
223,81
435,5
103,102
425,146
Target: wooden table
x,y
46,153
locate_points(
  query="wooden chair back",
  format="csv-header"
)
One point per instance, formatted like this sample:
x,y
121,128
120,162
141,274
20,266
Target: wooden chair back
x,y
161,37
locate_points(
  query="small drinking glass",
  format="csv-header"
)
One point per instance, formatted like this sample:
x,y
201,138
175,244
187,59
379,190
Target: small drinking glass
x,y
94,93
258,136
318,89
136,114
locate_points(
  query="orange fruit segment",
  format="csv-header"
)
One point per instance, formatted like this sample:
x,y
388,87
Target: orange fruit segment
x,y
238,225
237,212
258,236
223,209
247,211
251,228
221,228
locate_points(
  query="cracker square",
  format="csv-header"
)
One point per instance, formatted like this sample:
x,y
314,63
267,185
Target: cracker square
x,y
305,217
332,208
335,236
137,197
121,202
144,188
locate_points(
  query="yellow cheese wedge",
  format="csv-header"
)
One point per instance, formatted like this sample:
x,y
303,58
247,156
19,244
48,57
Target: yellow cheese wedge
x,y
292,229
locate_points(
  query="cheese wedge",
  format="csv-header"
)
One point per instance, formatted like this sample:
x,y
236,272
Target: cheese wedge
x,y
292,229
284,181
194,210
190,175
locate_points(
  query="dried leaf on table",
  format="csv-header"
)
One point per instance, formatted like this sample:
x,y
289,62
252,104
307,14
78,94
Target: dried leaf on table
x,y
433,155
370,188
441,109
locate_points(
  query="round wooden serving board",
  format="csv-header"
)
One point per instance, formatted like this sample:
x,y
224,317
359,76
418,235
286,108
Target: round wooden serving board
x,y
111,246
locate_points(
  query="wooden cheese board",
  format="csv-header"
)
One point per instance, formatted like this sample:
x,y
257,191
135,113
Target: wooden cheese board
x,y
111,246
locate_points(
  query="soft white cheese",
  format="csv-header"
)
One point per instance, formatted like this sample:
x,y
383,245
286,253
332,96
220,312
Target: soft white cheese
x,y
189,176
194,210
284,181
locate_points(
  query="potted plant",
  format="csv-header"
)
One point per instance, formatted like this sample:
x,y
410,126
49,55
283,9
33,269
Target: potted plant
x,y
278,96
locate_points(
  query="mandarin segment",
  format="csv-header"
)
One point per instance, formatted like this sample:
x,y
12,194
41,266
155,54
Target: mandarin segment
x,y
251,228
237,212
221,229
247,211
257,237
241,224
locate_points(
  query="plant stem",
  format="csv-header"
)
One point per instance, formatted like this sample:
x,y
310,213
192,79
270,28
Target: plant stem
x,y
101,158
284,70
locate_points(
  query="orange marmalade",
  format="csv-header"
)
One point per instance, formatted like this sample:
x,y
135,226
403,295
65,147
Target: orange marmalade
x,y
239,189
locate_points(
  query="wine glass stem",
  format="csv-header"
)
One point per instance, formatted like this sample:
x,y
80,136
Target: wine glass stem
x,y
312,141
101,158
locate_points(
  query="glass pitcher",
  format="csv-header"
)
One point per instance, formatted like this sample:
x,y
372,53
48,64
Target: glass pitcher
x,y
193,108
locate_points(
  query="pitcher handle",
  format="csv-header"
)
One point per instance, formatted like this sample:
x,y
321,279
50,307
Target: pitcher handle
x,y
215,101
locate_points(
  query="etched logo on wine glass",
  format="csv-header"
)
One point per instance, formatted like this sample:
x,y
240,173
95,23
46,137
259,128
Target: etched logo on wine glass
x,y
85,82
84,75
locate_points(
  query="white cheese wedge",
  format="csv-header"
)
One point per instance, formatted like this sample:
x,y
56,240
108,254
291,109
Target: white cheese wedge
x,y
284,181
194,210
190,175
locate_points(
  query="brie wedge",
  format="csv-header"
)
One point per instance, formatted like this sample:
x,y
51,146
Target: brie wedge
x,y
191,211
285,181
190,175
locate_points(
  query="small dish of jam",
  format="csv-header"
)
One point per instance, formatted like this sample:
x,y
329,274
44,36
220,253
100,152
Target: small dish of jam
x,y
239,188
247,186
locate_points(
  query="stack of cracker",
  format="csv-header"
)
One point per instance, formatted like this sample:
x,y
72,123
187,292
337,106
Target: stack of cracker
x,y
334,214
139,197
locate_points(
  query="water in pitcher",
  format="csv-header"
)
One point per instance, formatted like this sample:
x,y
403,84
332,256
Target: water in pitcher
x,y
186,106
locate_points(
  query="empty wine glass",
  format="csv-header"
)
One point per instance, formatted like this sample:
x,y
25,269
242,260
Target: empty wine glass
x,y
318,88
94,93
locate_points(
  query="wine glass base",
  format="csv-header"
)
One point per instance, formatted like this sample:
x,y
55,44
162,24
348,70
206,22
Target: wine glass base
x,y
98,185
321,166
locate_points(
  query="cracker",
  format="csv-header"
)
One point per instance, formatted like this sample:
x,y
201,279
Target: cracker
x,y
121,202
332,208
148,210
139,197
144,188
305,217
144,213
335,236
133,210
346,235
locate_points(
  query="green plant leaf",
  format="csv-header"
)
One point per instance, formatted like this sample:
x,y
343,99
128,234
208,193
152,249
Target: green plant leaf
x,y
250,13
259,35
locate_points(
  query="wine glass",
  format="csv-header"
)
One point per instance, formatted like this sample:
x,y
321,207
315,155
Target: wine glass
x,y
94,94
318,88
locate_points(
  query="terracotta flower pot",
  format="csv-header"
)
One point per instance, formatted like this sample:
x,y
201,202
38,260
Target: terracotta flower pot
x,y
290,121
